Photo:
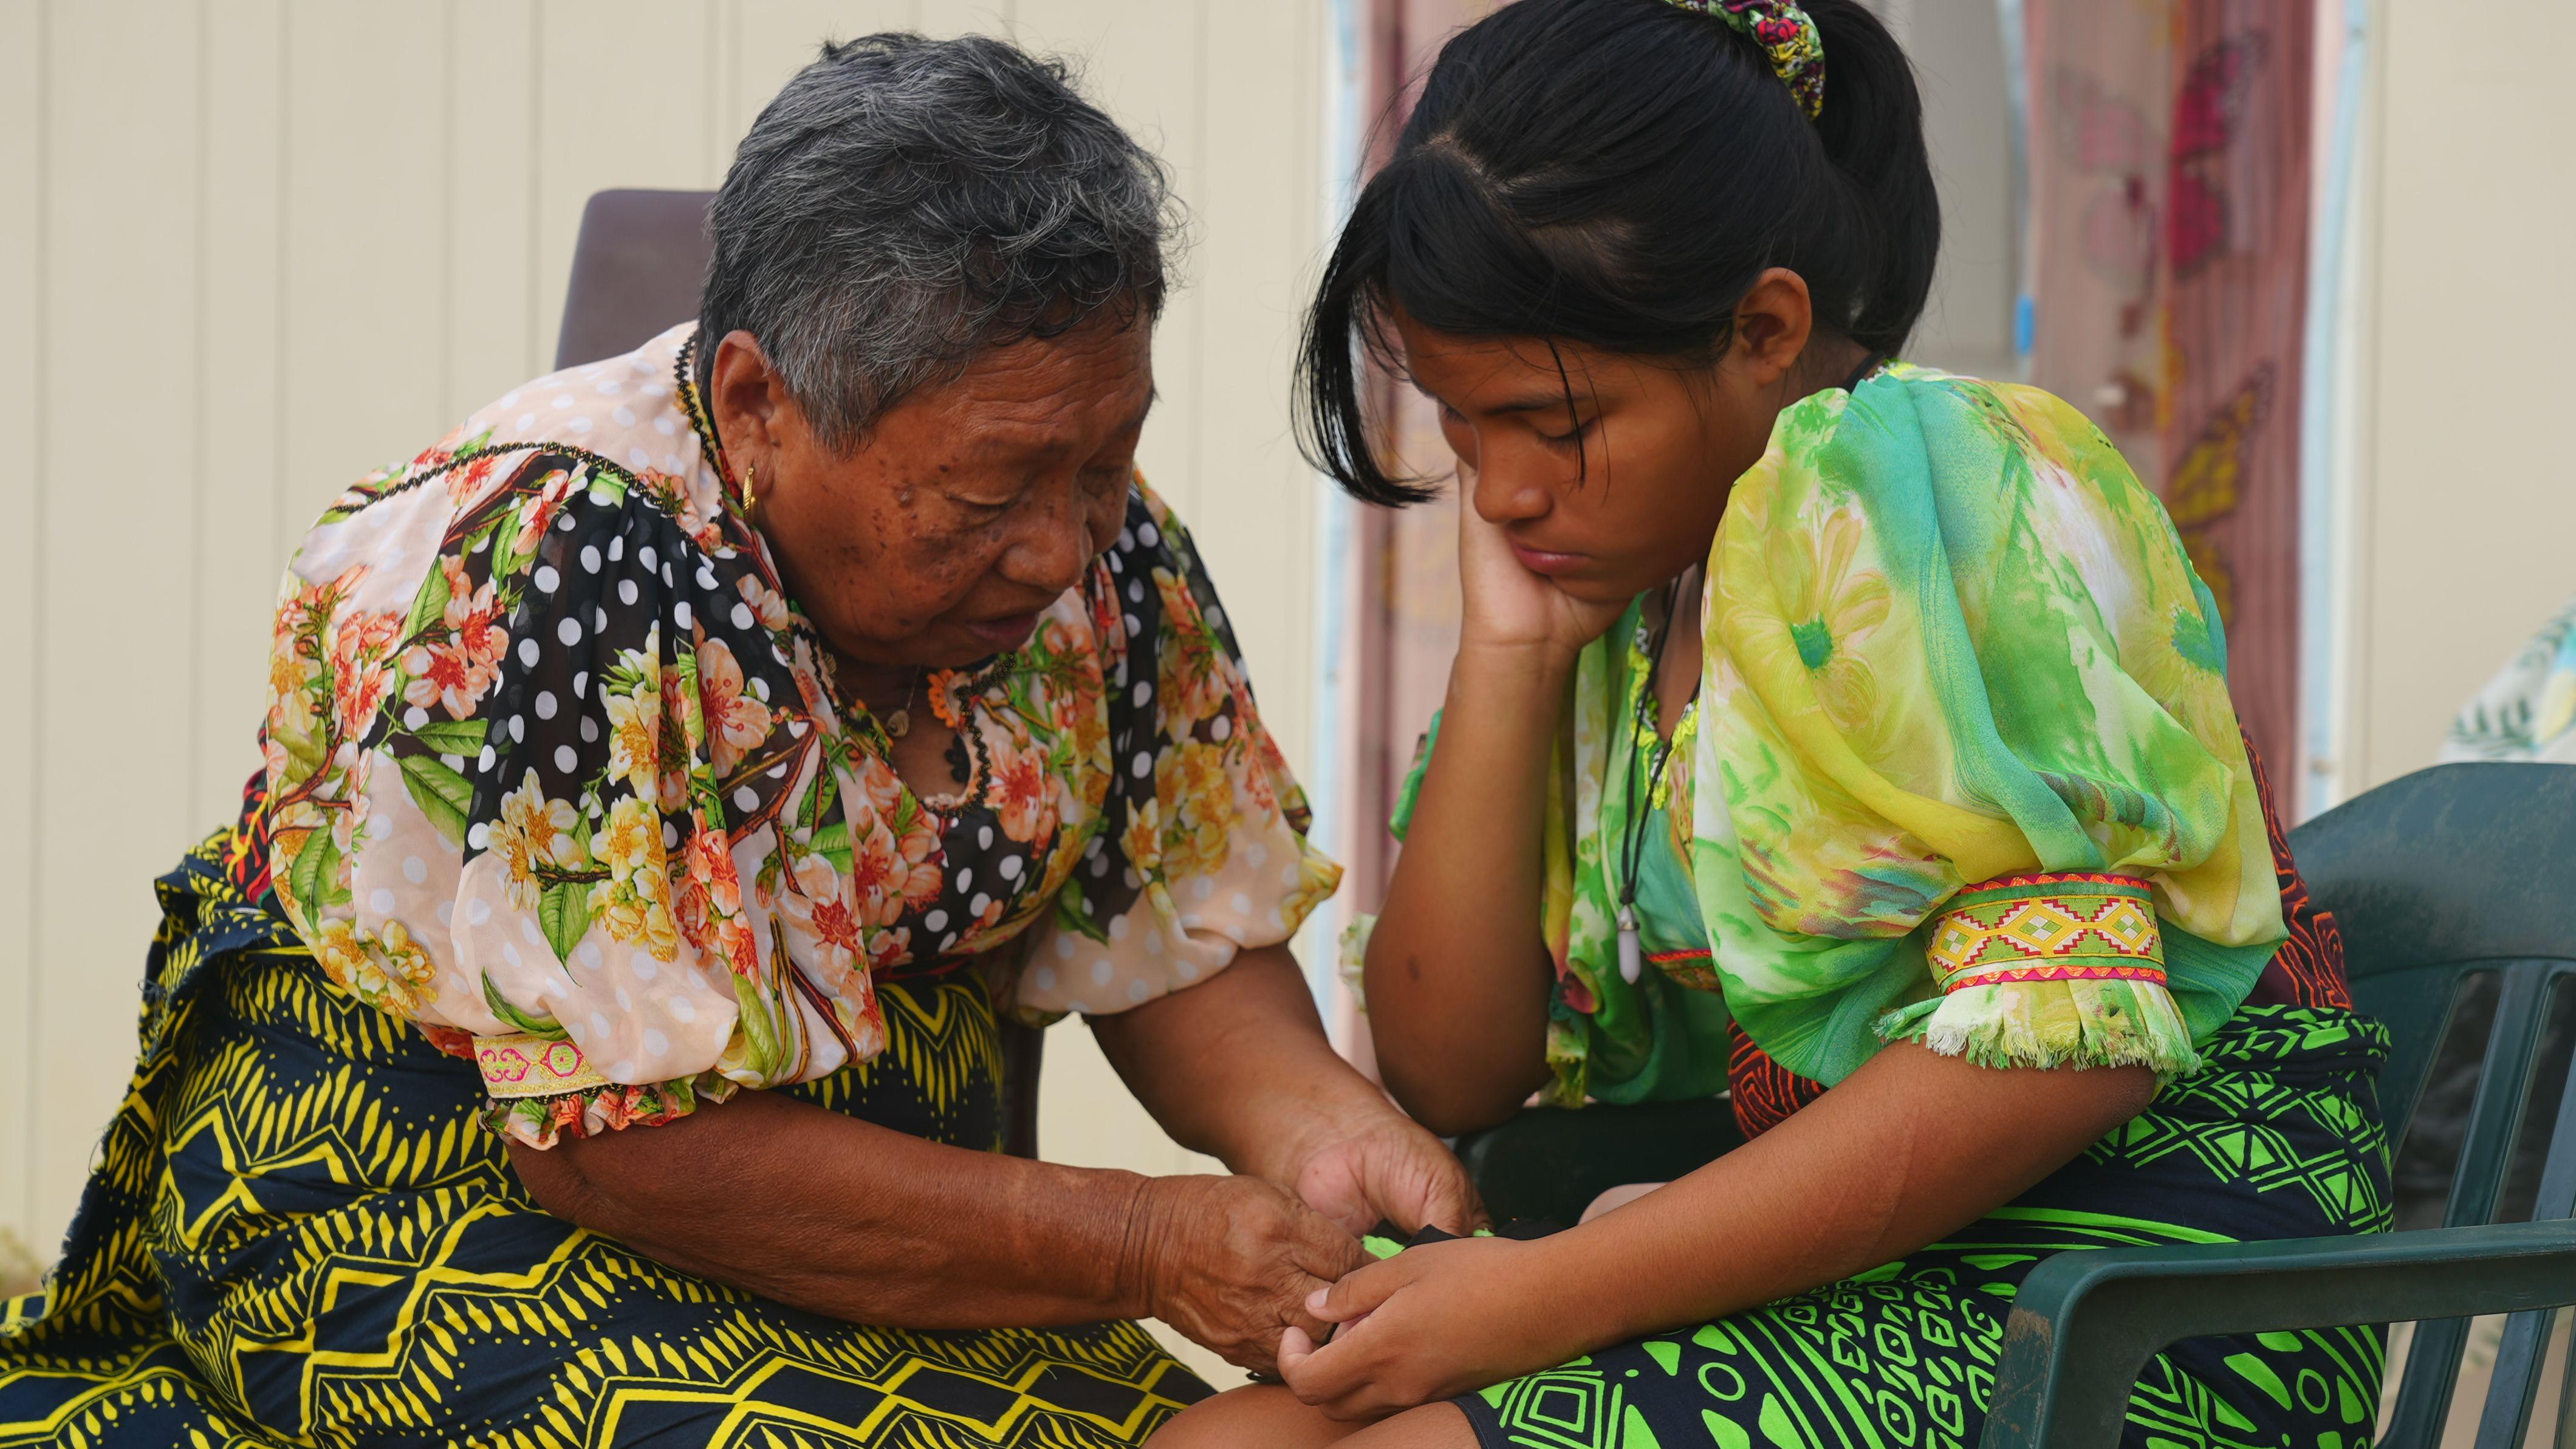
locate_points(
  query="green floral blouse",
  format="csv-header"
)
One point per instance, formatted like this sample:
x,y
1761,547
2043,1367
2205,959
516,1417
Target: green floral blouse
x,y
1963,770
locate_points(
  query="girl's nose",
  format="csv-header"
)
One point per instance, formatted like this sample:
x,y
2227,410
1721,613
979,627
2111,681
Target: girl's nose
x,y
1508,495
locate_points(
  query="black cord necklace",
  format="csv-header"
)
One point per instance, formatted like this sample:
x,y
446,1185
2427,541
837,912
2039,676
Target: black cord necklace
x,y
1632,831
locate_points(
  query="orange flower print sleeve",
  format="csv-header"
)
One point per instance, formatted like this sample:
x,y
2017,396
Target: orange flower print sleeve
x,y
1202,850
534,806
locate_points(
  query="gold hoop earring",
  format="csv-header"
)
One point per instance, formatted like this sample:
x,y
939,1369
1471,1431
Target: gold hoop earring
x,y
750,474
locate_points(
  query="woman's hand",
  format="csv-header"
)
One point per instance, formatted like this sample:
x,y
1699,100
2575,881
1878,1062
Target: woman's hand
x,y
1231,1262
1239,1067
1505,606
1429,1323
1389,1169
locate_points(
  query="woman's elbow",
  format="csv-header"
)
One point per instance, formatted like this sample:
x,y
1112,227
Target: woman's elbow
x,y
626,1184
554,1177
593,1183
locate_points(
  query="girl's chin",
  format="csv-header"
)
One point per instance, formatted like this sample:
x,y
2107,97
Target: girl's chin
x,y
1605,587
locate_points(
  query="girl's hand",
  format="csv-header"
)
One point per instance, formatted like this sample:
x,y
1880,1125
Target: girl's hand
x,y
1504,605
1429,1323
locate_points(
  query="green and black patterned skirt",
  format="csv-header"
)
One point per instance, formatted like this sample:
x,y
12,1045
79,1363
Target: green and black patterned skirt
x,y
299,1235
2279,1136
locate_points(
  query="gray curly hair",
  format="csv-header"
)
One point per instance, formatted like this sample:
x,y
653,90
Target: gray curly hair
x,y
907,203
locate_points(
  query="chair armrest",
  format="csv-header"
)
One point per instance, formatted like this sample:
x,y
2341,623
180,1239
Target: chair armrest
x,y
1549,1163
2085,1323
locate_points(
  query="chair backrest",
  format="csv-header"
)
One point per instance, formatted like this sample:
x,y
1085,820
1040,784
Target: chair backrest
x,y
2434,878
638,269
2449,871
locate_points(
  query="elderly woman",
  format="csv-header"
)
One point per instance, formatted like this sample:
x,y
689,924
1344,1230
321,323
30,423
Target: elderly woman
x,y
587,1034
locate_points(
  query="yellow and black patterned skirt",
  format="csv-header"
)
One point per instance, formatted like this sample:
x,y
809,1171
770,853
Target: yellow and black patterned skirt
x,y
298,1235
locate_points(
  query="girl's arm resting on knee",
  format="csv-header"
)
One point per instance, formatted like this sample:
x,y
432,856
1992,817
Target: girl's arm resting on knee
x,y
1457,973
1911,1148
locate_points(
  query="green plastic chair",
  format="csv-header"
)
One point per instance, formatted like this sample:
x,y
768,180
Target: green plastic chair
x,y
2434,878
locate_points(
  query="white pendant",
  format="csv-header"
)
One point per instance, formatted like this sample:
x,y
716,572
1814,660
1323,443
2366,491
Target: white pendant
x,y
1632,955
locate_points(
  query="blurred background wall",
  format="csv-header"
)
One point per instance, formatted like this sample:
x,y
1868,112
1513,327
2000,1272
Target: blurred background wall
x,y
250,249
2459,527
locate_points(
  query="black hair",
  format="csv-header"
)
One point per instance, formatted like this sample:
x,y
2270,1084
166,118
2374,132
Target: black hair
x,y
1617,173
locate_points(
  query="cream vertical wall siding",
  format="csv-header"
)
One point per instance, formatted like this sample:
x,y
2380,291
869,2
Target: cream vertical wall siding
x,y
2462,495
251,249
1958,53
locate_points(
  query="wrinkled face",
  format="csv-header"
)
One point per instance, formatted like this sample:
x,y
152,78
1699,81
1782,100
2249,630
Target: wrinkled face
x,y
1608,474
966,510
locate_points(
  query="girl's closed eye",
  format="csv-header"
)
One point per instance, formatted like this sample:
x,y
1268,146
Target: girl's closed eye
x,y
1568,439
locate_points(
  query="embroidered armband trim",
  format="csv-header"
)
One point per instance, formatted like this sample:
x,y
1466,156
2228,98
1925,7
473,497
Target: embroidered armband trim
x,y
526,1065
2067,927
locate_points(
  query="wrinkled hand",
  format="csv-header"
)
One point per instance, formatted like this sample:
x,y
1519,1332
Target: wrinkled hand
x,y
1391,1169
1230,1262
1429,1323
1504,605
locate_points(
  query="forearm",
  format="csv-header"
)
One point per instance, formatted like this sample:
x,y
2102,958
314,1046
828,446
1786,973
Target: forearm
x,y
1239,1067
1457,971
859,1222
1910,1149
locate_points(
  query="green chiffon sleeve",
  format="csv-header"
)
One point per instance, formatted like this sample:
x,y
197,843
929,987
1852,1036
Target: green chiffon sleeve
x,y
1970,769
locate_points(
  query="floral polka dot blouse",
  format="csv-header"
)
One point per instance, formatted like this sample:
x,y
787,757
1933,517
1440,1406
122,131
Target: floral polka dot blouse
x,y
559,774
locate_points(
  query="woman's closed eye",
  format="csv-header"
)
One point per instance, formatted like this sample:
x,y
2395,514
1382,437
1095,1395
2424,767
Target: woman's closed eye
x,y
983,509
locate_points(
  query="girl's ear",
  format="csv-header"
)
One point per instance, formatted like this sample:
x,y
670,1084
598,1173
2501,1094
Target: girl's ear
x,y
1772,325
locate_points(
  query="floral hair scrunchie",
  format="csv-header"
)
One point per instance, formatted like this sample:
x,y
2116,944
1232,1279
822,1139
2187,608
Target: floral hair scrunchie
x,y
1787,34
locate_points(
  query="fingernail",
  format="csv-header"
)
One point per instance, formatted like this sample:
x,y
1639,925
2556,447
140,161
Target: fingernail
x,y
1315,1301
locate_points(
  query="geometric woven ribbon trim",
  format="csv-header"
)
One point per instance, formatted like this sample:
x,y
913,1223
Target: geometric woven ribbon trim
x,y
2059,927
534,1066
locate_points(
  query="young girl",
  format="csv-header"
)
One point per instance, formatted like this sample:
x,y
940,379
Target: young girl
x,y
1842,733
